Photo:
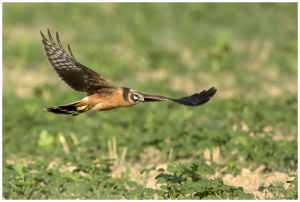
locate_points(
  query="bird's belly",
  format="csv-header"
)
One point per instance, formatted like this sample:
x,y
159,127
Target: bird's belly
x,y
106,102
102,107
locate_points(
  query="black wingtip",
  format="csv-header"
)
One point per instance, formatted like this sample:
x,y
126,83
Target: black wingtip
x,y
206,95
70,51
58,42
197,99
50,37
48,31
43,36
211,92
57,37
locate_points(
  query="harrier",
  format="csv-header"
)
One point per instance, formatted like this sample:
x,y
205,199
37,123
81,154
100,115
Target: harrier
x,y
101,94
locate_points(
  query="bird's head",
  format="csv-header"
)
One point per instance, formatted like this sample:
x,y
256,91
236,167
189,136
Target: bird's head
x,y
133,96
136,96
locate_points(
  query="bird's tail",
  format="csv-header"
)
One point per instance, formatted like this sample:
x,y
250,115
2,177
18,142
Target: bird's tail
x,y
73,109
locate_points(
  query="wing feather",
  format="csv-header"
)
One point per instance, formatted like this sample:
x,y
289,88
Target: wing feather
x,y
70,51
194,100
76,75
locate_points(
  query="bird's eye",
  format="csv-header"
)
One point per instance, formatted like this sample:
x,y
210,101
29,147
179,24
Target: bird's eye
x,y
135,97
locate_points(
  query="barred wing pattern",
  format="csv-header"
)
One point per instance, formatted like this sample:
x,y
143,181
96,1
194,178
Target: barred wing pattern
x,y
193,100
76,75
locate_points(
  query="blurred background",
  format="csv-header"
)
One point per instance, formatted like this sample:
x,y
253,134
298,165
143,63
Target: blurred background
x,y
248,51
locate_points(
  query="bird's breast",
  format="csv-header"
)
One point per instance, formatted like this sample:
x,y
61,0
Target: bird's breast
x,y
102,102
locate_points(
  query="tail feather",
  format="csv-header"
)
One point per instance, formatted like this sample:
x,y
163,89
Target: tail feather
x,y
70,109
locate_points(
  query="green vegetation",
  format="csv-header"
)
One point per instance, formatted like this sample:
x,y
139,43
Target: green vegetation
x,y
246,133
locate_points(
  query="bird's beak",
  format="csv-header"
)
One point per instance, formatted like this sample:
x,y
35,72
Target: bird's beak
x,y
142,99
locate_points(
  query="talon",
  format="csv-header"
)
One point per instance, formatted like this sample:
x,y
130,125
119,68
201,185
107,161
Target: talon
x,y
82,108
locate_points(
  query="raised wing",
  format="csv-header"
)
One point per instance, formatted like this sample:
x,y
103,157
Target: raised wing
x,y
194,100
76,75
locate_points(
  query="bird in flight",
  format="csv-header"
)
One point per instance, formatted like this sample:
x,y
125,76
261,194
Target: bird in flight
x,y
101,94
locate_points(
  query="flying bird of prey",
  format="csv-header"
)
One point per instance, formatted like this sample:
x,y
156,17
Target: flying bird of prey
x,y
101,94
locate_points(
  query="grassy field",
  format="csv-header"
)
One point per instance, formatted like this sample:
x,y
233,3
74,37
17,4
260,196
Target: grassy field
x,y
242,144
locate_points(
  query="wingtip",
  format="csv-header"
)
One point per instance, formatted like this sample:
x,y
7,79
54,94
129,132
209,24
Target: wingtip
x,y
213,88
57,36
42,34
212,91
50,36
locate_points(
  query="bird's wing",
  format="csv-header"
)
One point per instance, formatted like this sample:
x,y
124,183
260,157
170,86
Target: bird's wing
x,y
76,75
193,100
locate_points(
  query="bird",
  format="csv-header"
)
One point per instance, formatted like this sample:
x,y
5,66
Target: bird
x,y
101,95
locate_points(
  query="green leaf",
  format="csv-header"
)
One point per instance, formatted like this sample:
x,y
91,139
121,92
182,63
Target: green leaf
x,y
45,140
19,168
